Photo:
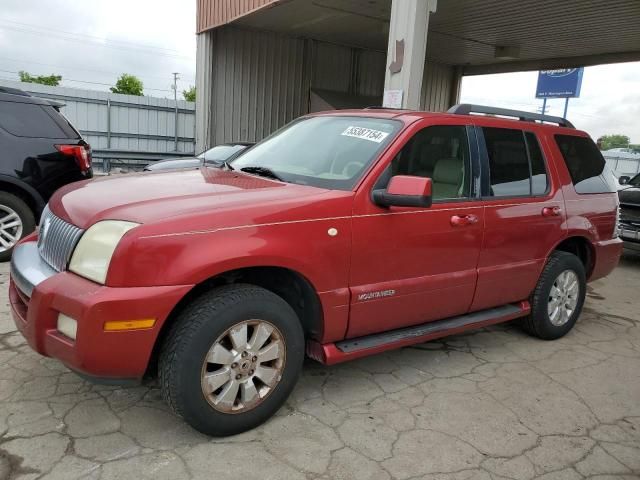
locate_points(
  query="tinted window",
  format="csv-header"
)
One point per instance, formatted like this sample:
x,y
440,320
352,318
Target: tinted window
x,y
29,120
441,153
539,177
508,163
585,164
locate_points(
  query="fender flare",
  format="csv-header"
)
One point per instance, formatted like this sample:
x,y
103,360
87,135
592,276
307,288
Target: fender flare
x,y
27,189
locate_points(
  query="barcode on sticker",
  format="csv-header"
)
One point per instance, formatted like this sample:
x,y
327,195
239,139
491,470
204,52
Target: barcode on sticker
x,y
366,134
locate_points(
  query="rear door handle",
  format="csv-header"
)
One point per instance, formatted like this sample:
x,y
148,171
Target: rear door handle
x,y
463,220
551,211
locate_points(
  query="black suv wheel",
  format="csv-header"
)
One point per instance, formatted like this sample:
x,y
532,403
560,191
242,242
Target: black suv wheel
x,y
16,221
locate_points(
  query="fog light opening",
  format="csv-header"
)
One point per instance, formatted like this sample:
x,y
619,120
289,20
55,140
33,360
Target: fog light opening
x,y
67,326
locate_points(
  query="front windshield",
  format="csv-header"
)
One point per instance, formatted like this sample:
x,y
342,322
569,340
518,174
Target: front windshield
x,y
327,151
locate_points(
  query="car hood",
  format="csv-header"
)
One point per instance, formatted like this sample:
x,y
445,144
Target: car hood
x,y
630,195
152,197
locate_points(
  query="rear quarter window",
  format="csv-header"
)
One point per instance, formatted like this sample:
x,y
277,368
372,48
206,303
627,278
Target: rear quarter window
x,y
586,165
31,120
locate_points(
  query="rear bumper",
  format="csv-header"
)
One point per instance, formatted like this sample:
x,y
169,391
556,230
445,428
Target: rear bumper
x,y
118,356
607,256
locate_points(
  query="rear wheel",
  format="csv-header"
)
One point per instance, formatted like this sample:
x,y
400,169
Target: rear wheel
x,y
557,301
231,359
16,221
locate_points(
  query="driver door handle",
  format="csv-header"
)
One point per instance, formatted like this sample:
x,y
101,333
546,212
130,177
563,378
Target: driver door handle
x,y
551,211
463,220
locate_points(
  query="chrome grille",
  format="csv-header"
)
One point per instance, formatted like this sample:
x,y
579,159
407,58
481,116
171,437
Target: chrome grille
x,y
56,240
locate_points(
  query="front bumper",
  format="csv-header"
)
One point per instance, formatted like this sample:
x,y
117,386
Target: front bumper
x,y
38,294
630,235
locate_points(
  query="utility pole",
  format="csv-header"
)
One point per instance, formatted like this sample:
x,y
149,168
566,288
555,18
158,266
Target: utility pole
x,y
175,98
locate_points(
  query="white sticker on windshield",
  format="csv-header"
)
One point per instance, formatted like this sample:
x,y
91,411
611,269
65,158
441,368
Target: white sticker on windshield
x,y
366,134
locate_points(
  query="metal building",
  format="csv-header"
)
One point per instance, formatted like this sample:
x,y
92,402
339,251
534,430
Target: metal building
x,y
261,63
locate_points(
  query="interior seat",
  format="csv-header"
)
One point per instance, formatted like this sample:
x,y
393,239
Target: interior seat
x,y
448,176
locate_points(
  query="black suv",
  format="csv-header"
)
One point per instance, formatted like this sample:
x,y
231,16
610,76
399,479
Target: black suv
x,y
40,151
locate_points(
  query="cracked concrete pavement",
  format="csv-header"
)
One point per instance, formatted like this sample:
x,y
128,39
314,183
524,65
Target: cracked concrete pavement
x,y
490,404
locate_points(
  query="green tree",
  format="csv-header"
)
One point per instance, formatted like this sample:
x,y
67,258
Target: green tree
x,y
129,85
52,80
189,94
613,141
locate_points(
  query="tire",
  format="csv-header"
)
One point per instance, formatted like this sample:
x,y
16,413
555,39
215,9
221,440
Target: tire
x,y
14,210
549,326
197,335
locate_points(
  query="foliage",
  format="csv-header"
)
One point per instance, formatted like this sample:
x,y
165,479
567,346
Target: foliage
x,y
608,142
189,94
128,85
51,80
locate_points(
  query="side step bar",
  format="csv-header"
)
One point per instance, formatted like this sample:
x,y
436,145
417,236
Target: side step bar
x,y
332,353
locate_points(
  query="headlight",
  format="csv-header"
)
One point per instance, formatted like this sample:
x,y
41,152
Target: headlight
x,y
93,253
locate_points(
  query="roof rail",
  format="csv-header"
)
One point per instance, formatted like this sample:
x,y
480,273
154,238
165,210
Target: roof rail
x,y
467,109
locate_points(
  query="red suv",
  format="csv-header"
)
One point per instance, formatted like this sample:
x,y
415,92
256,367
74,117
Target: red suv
x,y
343,235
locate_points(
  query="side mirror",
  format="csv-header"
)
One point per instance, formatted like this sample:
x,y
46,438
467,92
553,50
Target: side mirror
x,y
405,191
624,179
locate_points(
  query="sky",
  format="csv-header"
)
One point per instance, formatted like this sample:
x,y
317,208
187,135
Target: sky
x,y
609,102
91,42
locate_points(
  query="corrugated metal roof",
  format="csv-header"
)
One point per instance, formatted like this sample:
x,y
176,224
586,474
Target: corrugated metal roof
x,y
213,13
466,32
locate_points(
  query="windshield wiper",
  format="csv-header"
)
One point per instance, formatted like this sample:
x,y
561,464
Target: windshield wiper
x,y
262,171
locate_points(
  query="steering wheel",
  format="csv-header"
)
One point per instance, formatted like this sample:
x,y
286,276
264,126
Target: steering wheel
x,y
351,168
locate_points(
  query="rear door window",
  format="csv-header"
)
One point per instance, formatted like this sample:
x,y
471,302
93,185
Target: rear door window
x,y
29,120
586,165
516,165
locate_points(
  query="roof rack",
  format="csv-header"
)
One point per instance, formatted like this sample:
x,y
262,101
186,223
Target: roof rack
x,y
467,109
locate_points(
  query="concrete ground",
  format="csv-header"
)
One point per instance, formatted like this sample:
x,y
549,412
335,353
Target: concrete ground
x,y
491,404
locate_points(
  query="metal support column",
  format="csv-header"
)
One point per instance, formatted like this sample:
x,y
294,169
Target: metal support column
x,y
406,52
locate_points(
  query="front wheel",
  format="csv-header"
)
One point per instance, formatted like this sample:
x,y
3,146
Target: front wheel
x,y
557,301
231,359
16,222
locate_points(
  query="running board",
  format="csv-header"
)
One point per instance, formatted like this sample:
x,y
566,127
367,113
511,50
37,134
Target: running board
x,y
332,353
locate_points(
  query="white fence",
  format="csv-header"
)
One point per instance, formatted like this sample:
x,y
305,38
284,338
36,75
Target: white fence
x,y
622,165
123,130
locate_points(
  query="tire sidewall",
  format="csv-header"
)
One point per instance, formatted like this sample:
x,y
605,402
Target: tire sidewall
x,y
545,328
26,217
190,399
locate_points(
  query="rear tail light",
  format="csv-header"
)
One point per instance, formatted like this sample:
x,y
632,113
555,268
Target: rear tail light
x,y
81,153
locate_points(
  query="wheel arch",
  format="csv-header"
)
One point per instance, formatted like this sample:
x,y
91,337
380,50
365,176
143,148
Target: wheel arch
x,y
581,247
293,287
26,192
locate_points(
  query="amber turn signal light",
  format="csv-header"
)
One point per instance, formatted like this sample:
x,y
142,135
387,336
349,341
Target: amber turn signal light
x,y
119,325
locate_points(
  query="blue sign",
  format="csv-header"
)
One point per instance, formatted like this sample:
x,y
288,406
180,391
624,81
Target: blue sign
x,y
560,83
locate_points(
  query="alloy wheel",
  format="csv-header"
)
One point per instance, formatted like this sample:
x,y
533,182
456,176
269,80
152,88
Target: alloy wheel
x,y
10,228
563,298
243,366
